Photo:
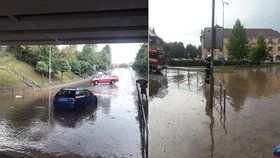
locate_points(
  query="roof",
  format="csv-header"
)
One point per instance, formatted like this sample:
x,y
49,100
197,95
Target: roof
x,y
72,89
152,32
252,33
73,21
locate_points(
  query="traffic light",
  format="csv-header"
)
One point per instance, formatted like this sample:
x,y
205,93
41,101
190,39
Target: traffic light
x,y
207,70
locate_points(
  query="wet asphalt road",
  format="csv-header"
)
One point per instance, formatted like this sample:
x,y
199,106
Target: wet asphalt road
x,y
108,129
183,126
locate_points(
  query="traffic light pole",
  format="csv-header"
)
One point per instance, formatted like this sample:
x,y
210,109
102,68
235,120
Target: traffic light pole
x,y
212,55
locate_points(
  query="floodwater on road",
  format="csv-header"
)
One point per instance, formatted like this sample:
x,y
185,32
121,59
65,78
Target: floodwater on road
x,y
183,125
29,124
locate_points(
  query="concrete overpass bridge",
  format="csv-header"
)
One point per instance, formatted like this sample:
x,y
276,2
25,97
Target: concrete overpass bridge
x,y
73,22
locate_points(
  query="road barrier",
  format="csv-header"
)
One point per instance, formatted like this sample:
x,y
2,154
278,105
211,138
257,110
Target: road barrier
x,y
25,89
143,121
220,93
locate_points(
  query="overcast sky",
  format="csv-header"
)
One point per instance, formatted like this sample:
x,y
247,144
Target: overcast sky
x,y
123,53
183,20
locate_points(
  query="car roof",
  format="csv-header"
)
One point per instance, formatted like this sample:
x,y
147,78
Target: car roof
x,y
73,89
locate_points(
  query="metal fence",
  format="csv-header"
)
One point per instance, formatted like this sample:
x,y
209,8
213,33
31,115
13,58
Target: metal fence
x,y
143,121
25,89
220,92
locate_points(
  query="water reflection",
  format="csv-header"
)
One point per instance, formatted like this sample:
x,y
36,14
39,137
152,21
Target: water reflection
x,y
249,128
31,124
74,119
250,82
162,80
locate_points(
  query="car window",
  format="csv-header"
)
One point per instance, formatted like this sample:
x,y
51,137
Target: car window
x,y
80,92
88,92
66,93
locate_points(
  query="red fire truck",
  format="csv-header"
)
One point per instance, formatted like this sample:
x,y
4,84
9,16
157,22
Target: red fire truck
x,y
157,59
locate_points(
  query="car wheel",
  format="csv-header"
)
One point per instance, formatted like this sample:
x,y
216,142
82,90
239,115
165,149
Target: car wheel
x,y
113,82
96,82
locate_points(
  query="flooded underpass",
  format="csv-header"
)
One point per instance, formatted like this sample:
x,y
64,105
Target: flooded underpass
x,y
183,125
29,124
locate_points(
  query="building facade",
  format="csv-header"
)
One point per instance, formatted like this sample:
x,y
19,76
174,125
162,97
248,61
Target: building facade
x,y
272,39
155,42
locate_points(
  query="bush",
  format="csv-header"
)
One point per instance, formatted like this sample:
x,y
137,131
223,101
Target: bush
x,y
86,69
75,66
141,60
201,63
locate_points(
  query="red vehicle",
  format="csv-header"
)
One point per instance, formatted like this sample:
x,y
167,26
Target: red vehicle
x,y
104,78
157,60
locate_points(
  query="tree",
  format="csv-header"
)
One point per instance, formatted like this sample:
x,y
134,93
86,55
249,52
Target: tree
x,y
106,55
260,52
62,65
86,69
42,67
141,61
192,50
75,67
69,52
33,54
87,53
199,51
237,42
176,50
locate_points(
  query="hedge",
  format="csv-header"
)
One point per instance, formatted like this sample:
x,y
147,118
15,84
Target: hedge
x,y
201,63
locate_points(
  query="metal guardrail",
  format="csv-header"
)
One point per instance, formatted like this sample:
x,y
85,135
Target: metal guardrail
x,y
28,88
220,95
221,91
143,123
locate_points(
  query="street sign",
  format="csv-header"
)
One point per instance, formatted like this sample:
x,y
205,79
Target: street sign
x,y
219,43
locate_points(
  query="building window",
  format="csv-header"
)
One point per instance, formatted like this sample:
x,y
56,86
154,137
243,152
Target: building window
x,y
278,49
270,48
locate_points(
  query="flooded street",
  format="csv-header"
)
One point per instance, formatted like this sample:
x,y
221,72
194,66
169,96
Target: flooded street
x,y
182,125
109,129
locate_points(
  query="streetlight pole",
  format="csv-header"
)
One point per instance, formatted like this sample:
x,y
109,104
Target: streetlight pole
x,y
213,40
188,61
50,63
223,55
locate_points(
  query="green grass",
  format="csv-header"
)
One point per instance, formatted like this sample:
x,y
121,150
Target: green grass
x,y
67,77
7,79
153,87
23,68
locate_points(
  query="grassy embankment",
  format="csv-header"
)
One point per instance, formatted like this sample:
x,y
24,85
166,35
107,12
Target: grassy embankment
x,y
7,79
153,87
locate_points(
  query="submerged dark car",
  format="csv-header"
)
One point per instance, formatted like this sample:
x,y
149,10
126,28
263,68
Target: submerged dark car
x,y
73,98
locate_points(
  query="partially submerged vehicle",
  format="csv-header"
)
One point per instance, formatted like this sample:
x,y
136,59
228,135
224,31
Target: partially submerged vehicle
x,y
74,98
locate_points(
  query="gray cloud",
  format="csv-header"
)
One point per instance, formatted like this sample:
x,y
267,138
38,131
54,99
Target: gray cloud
x,y
182,20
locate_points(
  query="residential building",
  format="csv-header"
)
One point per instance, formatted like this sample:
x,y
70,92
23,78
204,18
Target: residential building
x,y
272,39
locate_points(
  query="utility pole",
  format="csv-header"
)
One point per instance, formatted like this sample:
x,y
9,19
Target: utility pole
x,y
213,32
50,65
223,53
